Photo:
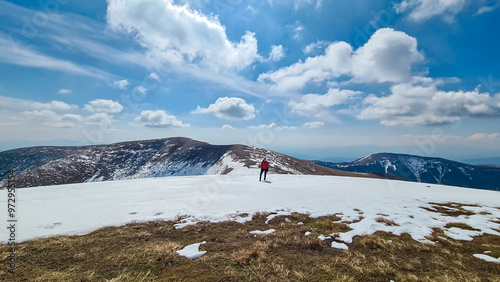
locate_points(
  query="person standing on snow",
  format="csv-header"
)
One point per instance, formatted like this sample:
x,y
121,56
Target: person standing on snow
x,y
264,167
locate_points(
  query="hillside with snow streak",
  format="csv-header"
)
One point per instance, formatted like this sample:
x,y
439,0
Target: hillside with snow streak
x,y
365,205
177,156
425,170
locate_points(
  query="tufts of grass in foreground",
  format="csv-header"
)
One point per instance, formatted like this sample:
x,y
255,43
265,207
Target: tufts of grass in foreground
x,y
147,252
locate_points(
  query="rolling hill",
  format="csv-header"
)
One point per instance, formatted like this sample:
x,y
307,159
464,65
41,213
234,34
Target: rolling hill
x,y
178,156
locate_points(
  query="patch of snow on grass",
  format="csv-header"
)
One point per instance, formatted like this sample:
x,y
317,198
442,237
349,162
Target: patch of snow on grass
x,y
340,246
461,234
323,238
487,258
258,232
192,251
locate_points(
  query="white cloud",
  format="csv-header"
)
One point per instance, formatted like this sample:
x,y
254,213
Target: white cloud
x,y
388,56
154,76
422,103
28,105
319,106
120,84
297,30
141,89
484,137
31,113
50,118
227,127
229,108
272,126
102,119
16,54
159,119
265,126
487,9
54,106
298,3
64,91
314,46
179,34
314,124
423,10
103,106
277,53
335,63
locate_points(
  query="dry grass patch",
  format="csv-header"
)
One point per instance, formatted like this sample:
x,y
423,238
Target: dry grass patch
x,y
257,251
147,252
328,225
386,221
460,225
450,209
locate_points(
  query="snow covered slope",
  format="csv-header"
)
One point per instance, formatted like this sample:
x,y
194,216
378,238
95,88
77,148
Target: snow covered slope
x,y
361,202
425,169
40,166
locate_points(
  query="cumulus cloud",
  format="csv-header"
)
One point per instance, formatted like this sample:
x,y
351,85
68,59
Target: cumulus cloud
x,y
277,53
423,10
28,105
103,106
54,106
141,89
271,126
102,119
420,102
318,106
227,127
314,46
334,63
179,34
388,56
264,126
314,124
229,108
159,119
120,84
52,119
154,76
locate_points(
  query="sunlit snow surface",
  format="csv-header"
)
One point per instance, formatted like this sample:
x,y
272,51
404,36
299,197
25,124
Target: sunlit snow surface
x,y
81,208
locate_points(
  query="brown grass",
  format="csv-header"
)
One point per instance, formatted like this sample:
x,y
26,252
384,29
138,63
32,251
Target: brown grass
x,y
386,221
147,252
460,225
450,209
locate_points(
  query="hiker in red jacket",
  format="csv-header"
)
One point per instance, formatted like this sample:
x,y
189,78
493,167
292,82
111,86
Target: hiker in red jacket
x,y
264,167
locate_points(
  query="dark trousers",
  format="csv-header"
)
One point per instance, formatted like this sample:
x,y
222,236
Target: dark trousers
x,y
265,174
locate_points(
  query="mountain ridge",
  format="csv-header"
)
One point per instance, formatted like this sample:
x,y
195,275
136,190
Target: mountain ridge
x,y
430,170
175,156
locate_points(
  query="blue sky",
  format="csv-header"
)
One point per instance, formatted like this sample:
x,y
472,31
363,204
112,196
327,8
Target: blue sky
x,y
311,78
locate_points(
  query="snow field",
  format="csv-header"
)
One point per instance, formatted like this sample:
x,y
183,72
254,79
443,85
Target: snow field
x,y
365,205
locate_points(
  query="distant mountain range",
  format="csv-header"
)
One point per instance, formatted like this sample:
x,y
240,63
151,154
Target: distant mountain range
x,y
424,169
40,166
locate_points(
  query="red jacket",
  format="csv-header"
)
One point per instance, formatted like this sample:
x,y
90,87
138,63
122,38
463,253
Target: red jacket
x,y
264,165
